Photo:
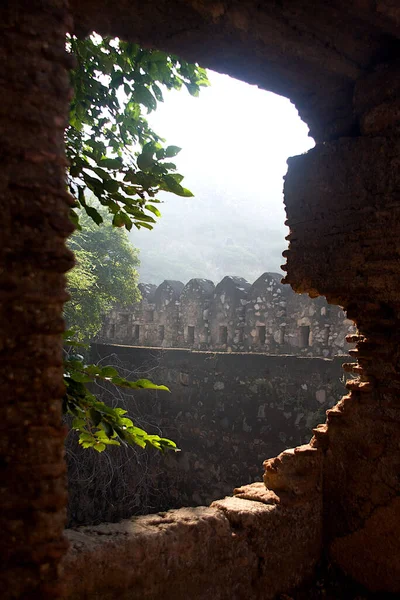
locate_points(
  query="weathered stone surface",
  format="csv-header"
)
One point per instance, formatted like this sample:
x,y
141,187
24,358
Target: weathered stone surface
x,y
256,492
166,300
326,215
346,195
311,55
371,555
297,471
344,216
376,100
227,314
267,317
227,413
266,321
33,260
194,314
235,549
163,555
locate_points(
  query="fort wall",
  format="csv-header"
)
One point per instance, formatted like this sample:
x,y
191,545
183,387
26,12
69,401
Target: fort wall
x,y
234,316
227,412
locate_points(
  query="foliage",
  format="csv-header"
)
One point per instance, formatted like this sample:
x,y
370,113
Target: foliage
x,y
114,154
100,425
111,148
105,273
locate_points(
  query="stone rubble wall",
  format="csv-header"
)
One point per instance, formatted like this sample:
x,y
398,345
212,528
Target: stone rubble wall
x,y
257,544
227,412
345,194
233,316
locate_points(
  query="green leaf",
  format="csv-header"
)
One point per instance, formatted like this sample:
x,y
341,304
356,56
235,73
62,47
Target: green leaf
x,y
118,220
104,175
153,209
120,411
172,151
78,423
178,178
157,92
171,185
186,193
192,89
102,143
148,385
109,372
93,370
93,214
142,95
158,56
107,428
86,437
145,161
145,225
111,163
99,447
75,170
81,196
111,186
95,416
80,377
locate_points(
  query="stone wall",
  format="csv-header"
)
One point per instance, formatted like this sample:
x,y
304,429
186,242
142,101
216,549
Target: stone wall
x,y
226,412
234,316
256,545
339,63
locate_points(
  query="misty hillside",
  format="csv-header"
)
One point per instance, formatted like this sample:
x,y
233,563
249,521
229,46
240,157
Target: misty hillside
x,y
210,236
235,141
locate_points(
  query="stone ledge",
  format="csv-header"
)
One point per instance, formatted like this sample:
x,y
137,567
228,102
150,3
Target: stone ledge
x,y
237,548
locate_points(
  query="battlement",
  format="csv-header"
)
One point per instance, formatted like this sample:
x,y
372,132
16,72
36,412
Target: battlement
x,y
233,316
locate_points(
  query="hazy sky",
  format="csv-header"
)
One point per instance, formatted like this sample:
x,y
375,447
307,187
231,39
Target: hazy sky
x,y
235,139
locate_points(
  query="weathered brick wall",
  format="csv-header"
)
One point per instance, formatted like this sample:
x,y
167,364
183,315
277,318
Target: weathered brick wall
x,y
346,195
256,545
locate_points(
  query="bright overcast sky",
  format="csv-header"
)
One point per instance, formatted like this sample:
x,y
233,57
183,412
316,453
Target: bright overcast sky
x,y
235,141
236,135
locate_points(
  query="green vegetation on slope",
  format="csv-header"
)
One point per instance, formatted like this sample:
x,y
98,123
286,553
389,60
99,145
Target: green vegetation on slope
x,y
105,274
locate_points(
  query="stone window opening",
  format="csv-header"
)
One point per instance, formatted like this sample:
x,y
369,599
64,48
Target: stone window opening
x,y
190,334
223,334
304,336
317,74
282,333
261,334
112,330
326,333
149,316
161,333
136,332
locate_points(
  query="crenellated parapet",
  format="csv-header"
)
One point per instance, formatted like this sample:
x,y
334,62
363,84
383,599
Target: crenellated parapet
x,y
234,316
195,313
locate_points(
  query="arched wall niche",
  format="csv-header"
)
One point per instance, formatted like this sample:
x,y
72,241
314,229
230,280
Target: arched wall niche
x,y
339,63
311,55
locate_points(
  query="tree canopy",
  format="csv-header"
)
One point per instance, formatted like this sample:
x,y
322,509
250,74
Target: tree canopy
x,y
105,274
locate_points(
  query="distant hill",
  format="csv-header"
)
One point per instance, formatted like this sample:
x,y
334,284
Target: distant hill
x,y
235,141
209,236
